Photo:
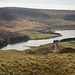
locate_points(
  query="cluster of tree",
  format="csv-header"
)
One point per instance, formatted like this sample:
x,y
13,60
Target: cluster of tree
x,y
67,39
3,43
64,40
55,41
19,39
13,40
7,37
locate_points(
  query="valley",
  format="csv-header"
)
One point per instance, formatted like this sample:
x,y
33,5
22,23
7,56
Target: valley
x,y
36,27
34,23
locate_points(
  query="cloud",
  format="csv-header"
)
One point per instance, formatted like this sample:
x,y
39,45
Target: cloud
x,y
41,4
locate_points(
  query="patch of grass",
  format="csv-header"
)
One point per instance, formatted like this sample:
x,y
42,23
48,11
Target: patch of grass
x,y
38,64
16,61
30,52
37,34
42,50
72,41
68,44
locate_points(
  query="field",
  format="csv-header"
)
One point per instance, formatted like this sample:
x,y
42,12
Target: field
x,y
25,62
42,60
70,44
39,33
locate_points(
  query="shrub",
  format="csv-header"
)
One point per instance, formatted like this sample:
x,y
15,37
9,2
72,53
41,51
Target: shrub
x,y
43,50
30,51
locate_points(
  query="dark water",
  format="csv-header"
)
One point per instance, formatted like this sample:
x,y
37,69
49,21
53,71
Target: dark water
x,y
24,45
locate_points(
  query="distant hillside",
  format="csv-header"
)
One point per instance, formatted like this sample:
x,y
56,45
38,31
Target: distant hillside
x,y
23,18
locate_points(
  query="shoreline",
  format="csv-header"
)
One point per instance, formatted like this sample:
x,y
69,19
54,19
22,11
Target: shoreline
x,y
45,38
28,40
13,40
50,45
23,40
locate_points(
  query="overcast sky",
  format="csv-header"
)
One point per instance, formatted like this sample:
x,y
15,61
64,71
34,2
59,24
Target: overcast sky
x,y
42,4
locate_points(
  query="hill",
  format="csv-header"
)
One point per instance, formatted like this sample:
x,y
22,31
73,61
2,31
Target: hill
x,y
14,19
42,62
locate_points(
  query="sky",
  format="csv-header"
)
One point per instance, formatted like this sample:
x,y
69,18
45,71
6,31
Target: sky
x,y
40,4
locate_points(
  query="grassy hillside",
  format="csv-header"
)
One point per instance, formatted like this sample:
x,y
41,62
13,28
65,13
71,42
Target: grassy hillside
x,y
14,19
25,62
42,60
68,44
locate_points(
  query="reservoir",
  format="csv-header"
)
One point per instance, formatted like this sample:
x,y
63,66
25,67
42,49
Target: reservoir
x,y
25,45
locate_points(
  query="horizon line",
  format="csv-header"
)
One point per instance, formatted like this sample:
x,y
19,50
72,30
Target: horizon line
x,y
37,8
